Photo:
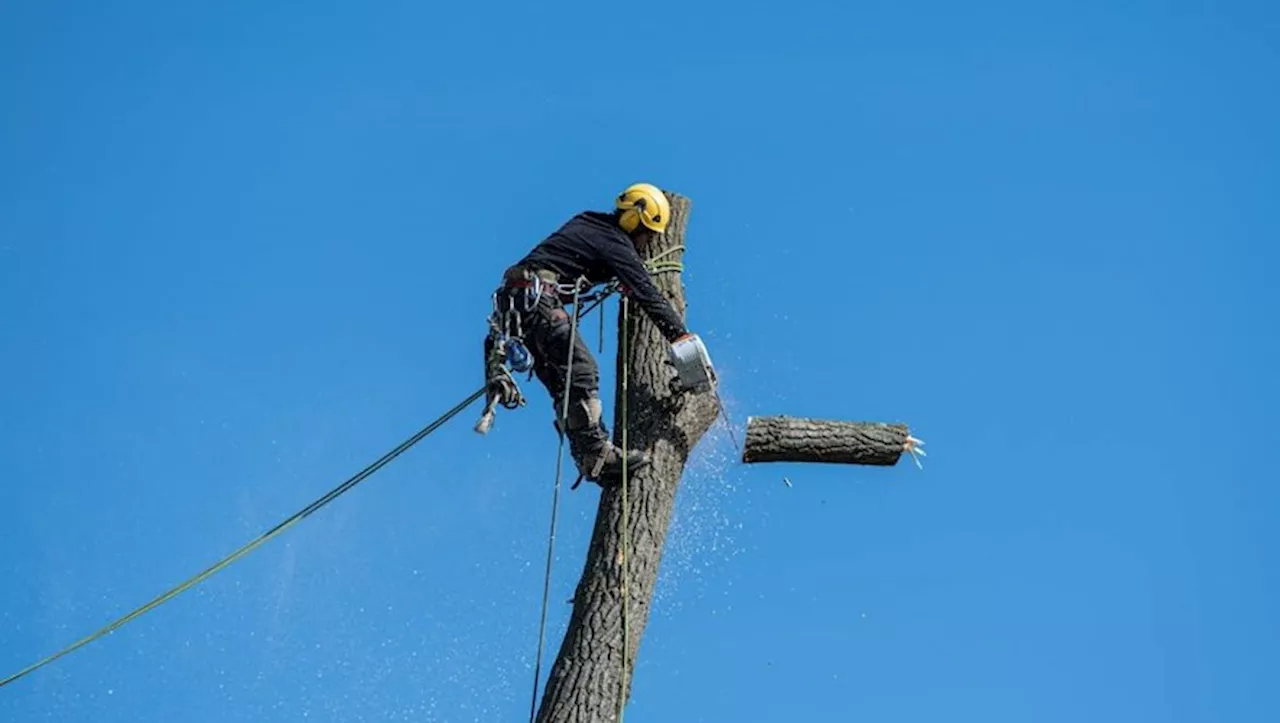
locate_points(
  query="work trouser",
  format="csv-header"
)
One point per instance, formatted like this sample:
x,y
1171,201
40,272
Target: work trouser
x,y
561,355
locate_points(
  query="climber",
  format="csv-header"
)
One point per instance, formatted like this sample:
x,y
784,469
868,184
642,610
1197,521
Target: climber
x,y
592,248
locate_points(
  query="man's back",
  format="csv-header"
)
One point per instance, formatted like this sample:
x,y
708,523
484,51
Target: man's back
x,y
577,248
591,246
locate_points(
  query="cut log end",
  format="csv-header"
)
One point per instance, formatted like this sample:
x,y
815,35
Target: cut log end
x,y
798,439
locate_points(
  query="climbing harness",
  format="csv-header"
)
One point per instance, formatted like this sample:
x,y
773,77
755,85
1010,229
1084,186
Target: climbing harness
x,y
506,351
268,535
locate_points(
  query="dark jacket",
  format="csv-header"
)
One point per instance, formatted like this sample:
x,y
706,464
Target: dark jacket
x,y
590,245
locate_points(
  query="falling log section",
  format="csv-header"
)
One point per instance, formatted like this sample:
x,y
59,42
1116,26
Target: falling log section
x,y
799,439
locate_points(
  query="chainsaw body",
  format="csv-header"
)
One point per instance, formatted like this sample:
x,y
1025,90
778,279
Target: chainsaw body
x,y
694,372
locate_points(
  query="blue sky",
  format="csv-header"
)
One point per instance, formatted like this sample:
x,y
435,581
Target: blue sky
x,y
246,249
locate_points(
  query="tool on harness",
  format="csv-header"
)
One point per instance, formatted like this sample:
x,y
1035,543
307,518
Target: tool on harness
x,y
500,388
504,353
694,372
519,358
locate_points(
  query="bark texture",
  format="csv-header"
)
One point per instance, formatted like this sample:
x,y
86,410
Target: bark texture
x,y
794,439
585,681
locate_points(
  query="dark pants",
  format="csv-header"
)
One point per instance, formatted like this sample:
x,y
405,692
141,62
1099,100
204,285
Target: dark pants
x,y
546,330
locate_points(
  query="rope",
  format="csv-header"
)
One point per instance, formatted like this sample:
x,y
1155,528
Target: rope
x,y
654,266
626,530
555,507
249,547
664,254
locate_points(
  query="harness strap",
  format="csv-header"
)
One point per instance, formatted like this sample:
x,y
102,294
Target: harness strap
x,y
543,281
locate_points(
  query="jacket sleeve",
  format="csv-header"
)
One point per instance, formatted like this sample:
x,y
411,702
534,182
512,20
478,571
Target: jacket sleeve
x,y
638,286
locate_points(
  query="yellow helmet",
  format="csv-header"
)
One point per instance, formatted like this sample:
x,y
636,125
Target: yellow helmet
x,y
643,203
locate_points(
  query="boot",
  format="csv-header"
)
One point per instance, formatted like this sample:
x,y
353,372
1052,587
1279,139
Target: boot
x,y
601,461
597,458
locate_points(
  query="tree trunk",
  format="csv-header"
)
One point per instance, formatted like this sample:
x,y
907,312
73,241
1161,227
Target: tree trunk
x,y
792,439
586,682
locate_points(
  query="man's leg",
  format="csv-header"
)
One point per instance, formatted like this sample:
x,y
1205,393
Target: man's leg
x,y
596,456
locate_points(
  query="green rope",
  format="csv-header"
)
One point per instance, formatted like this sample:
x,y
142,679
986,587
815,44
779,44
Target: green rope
x,y
654,265
668,252
666,266
555,506
249,547
626,530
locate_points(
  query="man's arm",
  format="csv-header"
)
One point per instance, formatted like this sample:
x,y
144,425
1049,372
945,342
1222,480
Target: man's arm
x,y
638,286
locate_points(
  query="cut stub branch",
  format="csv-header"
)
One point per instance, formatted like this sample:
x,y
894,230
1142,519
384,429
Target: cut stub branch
x,y
797,439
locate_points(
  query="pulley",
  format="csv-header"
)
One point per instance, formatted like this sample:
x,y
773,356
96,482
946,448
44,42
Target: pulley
x,y
519,358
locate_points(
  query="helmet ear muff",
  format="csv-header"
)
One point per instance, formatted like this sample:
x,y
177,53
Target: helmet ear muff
x,y
629,220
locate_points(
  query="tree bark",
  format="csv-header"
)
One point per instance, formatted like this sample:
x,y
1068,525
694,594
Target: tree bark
x,y
586,681
792,439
